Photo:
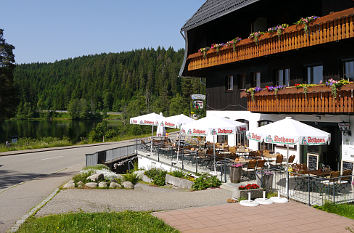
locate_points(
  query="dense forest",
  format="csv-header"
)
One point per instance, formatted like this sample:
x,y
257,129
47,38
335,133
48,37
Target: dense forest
x,y
133,82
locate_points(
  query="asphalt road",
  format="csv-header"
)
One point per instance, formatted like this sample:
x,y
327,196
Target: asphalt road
x,y
27,179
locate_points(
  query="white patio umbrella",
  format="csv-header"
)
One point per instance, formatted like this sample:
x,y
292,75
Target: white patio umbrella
x,y
177,120
289,132
152,119
211,126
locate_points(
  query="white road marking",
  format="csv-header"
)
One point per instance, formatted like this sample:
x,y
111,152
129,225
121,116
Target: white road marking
x,y
56,157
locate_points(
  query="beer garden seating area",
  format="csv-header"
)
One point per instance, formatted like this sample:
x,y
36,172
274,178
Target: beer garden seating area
x,y
192,154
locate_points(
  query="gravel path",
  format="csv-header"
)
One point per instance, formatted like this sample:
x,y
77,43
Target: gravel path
x,y
142,198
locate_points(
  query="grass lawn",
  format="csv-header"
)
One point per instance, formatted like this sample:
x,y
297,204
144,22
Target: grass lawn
x,y
126,221
346,210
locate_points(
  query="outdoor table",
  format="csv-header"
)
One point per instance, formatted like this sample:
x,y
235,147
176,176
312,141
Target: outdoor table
x,y
242,153
242,161
319,173
224,152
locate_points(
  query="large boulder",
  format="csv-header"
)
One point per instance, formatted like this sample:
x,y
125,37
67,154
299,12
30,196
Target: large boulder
x,y
102,185
128,185
91,185
146,179
179,182
114,185
69,185
96,177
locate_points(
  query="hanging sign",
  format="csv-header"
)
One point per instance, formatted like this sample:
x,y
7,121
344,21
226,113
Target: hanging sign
x,y
198,97
344,126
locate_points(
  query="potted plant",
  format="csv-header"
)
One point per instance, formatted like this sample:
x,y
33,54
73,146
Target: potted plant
x,y
265,179
235,173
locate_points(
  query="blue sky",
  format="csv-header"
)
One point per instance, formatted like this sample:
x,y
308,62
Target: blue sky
x,y
49,30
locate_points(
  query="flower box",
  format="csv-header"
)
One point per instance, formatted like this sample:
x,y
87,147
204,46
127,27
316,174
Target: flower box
x,y
243,194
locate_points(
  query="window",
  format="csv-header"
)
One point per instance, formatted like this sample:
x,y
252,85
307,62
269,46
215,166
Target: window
x,y
260,24
263,145
222,139
283,77
349,70
314,74
230,83
255,79
258,79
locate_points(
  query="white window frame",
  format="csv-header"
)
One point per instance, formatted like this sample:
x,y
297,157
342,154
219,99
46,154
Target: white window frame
x,y
230,83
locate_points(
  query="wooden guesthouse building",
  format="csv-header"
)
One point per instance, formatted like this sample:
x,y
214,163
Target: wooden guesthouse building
x,y
259,73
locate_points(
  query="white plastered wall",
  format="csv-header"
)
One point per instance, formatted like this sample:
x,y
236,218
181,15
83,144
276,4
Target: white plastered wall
x,y
254,118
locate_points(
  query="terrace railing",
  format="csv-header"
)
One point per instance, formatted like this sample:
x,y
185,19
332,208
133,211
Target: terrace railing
x,y
317,99
111,155
313,190
330,28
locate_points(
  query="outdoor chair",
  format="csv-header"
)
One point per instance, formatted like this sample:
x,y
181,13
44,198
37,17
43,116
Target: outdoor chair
x,y
331,182
290,160
145,146
260,164
278,162
345,179
250,169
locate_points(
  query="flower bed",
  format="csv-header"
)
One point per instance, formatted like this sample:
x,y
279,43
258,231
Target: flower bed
x,y
243,190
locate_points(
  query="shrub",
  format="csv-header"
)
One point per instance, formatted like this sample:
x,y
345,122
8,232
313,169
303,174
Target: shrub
x,y
82,176
179,174
158,176
206,181
132,177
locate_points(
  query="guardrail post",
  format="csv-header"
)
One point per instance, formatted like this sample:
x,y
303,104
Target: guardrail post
x,y
182,159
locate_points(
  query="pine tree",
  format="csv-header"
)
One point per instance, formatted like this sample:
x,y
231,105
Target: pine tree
x,y
8,92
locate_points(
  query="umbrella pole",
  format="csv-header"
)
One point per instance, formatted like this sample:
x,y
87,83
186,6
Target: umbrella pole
x,y
179,142
152,134
214,154
287,171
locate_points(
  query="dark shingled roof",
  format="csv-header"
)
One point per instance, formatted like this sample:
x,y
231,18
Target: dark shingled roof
x,y
213,9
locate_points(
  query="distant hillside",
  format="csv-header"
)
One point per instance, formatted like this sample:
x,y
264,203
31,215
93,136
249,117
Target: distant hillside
x,y
135,82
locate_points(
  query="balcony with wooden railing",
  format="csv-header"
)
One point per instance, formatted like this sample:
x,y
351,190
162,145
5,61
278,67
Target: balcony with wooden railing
x,y
316,99
330,28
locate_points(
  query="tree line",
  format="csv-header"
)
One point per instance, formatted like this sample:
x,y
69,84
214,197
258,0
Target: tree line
x,y
134,82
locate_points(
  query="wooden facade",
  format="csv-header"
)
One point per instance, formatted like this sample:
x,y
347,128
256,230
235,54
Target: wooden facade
x,y
316,100
331,28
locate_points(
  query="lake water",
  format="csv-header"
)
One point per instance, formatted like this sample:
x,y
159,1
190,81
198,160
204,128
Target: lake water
x,y
75,130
